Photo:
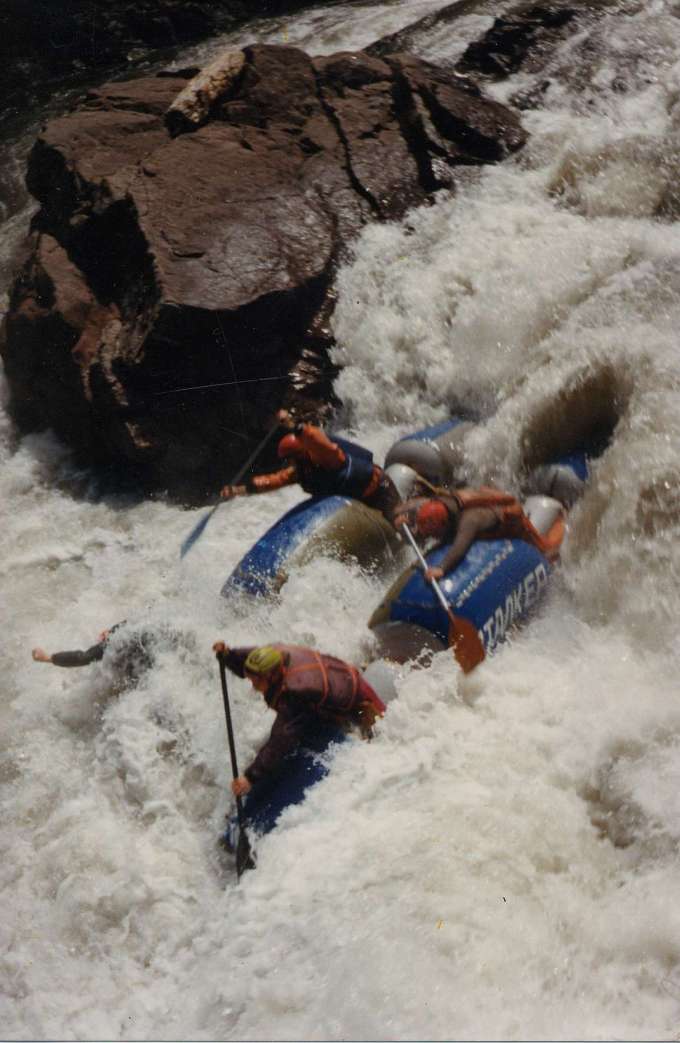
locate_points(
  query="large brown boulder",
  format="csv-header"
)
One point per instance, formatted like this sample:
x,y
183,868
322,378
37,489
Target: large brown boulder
x,y
178,282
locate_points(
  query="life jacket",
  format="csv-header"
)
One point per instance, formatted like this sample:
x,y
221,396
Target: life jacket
x,y
485,496
513,523
353,479
323,684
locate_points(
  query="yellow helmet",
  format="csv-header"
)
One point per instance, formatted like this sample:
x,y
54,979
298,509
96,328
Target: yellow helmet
x,y
263,660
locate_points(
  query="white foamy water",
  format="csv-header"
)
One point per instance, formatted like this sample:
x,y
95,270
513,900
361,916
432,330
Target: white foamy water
x,y
502,861
325,29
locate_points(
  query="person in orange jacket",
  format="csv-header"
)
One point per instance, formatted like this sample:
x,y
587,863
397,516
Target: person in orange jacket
x,y
466,515
323,467
304,688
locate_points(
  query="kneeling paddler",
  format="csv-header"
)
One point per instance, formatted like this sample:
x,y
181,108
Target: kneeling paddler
x,y
323,467
304,688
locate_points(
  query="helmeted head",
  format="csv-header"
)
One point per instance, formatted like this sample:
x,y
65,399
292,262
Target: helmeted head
x,y
263,661
433,519
290,446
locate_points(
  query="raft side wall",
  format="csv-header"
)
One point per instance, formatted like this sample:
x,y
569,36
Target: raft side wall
x,y
257,571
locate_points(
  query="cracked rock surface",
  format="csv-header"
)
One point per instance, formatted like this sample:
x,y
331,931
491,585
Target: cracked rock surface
x,y
170,255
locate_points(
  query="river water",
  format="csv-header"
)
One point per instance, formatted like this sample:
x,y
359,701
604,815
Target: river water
x,y
502,861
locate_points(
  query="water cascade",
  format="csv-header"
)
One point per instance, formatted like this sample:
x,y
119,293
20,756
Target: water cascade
x,y
501,861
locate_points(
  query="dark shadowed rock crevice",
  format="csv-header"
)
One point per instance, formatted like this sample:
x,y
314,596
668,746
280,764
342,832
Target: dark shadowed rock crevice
x,y
178,284
524,32
518,33
54,44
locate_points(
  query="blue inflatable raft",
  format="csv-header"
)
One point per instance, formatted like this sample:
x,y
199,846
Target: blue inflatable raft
x,y
497,585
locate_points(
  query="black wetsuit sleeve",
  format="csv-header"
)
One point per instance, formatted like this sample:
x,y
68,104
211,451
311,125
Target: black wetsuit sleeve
x,y
90,655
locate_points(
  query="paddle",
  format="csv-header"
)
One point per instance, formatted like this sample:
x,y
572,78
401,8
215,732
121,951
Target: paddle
x,y
421,558
244,859
199,529
465,644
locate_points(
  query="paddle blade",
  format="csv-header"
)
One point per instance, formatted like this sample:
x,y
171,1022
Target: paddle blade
x,y
465,643
244,856
196,532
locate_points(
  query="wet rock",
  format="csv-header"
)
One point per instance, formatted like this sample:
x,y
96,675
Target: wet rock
x,y
523,32
179,282
358,95
456,120
49,310
51,44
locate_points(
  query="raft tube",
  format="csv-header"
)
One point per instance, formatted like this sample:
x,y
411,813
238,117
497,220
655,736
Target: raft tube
x,y
496,586
301,770
322,525
434,452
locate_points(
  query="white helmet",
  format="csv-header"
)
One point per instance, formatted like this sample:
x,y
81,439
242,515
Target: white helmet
x,y
403,478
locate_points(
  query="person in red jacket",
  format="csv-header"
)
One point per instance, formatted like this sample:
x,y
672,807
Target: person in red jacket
x,y
304,688
323,467
466,515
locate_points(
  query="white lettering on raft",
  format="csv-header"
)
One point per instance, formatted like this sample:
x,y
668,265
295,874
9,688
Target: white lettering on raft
x,y
468,591
519,600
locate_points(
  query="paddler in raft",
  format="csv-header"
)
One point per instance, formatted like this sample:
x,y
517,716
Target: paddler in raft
x,y
466,515
323,467
308,691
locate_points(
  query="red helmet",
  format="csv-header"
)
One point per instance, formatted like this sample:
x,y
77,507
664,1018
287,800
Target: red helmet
x,y
290,445
433,519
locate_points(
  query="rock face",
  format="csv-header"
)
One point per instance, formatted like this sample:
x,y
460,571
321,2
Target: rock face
x,y
198,252
48,44
522,33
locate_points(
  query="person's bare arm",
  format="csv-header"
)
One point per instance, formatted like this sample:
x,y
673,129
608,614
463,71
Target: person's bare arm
x,y
472,524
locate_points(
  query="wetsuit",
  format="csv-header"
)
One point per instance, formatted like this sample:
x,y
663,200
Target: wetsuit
x,y
312,689
128,658
79,658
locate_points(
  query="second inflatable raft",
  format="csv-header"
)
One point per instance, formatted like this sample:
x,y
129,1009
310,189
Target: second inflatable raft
x,y
496,585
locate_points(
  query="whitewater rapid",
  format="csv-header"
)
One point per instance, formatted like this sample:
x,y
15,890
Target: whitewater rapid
x,y
501,862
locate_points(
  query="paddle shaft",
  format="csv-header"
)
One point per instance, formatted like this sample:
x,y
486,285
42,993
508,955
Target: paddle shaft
x,y
198,529
437,589
230,735
254,455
